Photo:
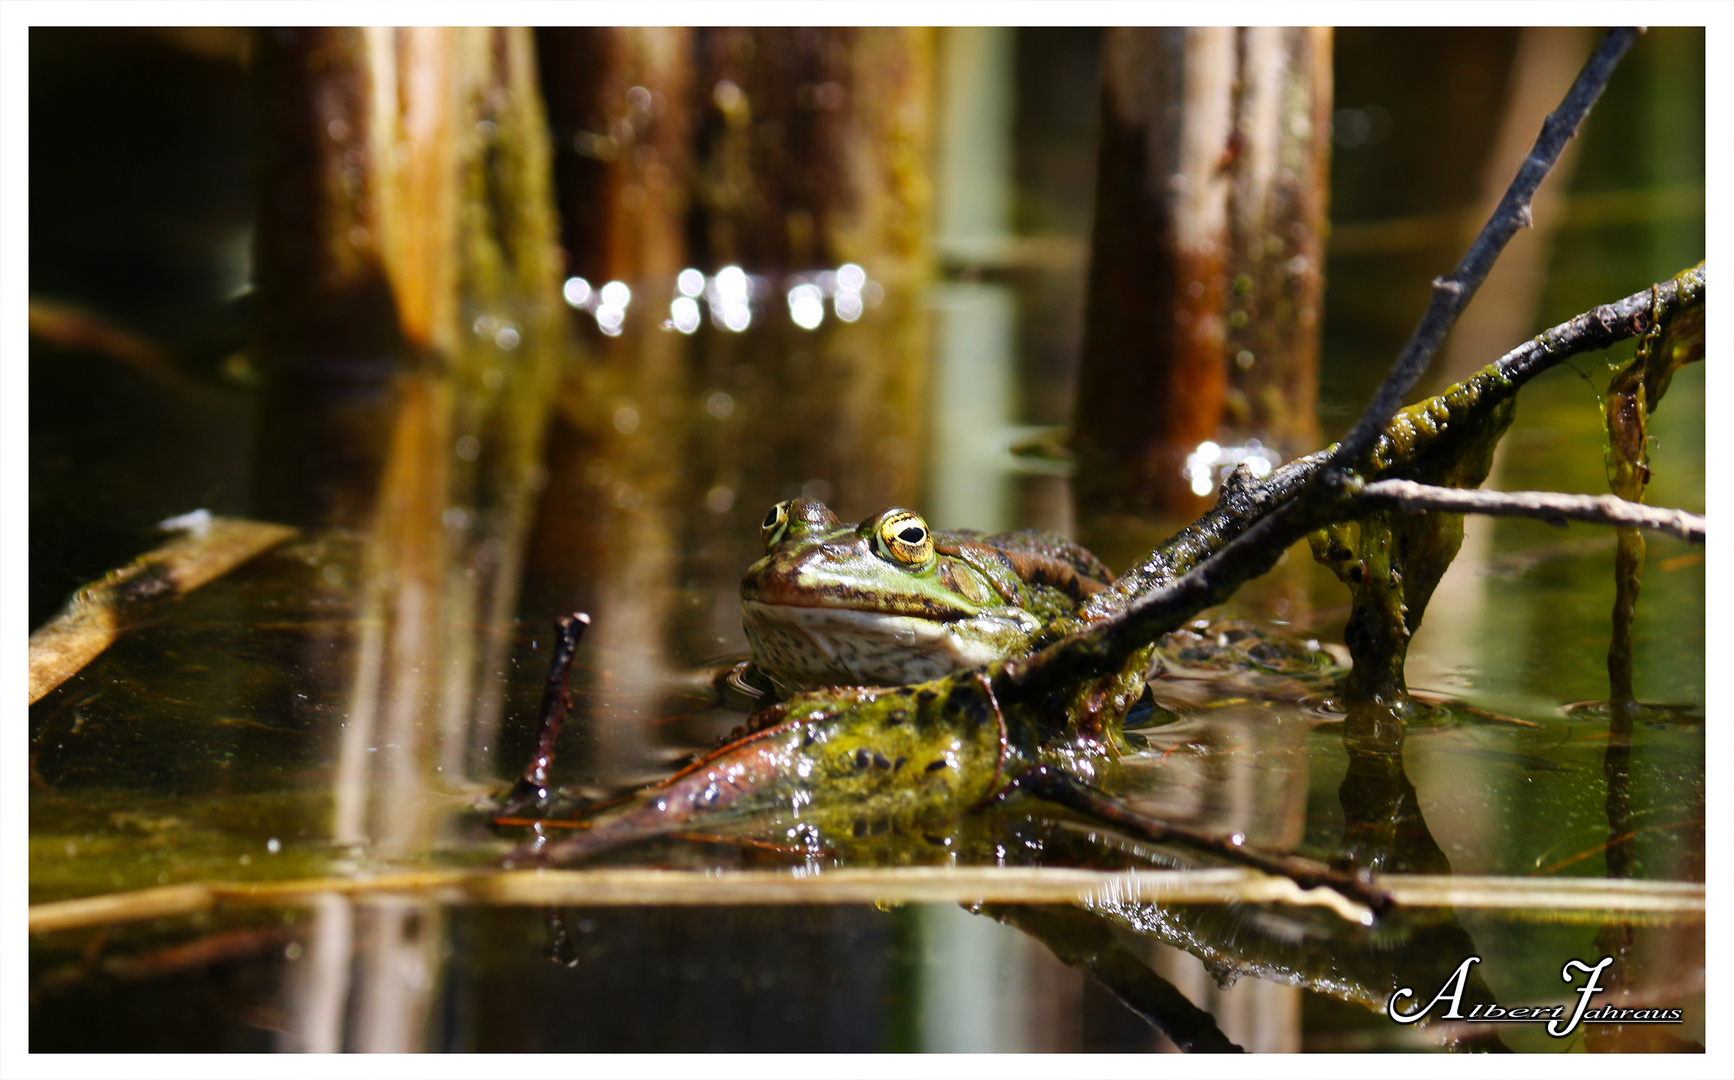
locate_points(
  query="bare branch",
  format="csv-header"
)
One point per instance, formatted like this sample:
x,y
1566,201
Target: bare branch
x,y
1546,505
1452,294
1602,326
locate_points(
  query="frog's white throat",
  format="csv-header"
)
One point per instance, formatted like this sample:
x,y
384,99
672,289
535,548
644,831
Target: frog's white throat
x,y
803,647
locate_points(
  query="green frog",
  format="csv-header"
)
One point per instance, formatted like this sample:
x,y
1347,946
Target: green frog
x,y
922,675
891,601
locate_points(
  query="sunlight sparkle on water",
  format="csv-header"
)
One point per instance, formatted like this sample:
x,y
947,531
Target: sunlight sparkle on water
x,y
1211,463
683,314
735,315
729,295
730,284
806,306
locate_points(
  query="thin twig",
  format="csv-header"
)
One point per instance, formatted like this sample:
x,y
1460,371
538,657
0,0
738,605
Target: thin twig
x,y
1603,326
1546,505
103,610
530,793
1451,294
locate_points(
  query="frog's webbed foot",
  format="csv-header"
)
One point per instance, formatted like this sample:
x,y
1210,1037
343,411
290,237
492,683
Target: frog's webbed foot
x,y
1063,789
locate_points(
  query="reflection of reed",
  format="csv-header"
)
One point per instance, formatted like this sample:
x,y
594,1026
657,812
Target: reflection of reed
x,y
1385,831
1085,941
1243,770
1633,394
1647,965
669,446
406,208
1383,828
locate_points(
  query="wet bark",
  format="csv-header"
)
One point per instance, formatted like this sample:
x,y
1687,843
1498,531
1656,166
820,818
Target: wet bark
x,y
1278,218
329,336
1206,267
620,111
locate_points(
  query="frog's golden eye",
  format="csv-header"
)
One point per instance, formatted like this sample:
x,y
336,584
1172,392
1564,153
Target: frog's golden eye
x,y
904,538
776,523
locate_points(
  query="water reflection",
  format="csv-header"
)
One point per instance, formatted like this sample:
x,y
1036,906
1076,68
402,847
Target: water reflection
x,y
1238,753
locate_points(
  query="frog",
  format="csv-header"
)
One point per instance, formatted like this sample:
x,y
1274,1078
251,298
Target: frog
x,y
924,675
890,601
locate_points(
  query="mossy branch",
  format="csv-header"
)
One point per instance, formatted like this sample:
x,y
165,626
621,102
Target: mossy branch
x,y
1254,521
1245,500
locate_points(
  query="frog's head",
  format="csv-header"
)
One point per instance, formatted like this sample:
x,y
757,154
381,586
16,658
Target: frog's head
x,y
881,602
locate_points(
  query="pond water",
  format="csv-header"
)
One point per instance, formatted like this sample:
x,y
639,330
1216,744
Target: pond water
x,y
205,748
223,744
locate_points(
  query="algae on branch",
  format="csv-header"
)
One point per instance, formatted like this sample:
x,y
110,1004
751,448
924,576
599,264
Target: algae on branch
x,y
1675,338
1392,560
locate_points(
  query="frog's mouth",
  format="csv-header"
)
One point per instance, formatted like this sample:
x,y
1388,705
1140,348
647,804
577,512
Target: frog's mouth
x,y
821,646
837,591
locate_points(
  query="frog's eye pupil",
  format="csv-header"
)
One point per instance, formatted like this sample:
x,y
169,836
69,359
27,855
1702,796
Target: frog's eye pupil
x,y
903,538
771,516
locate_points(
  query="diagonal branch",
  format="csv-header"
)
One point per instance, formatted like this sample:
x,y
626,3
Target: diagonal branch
x,y
1254,520
1549,506
1452,294
1244,500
